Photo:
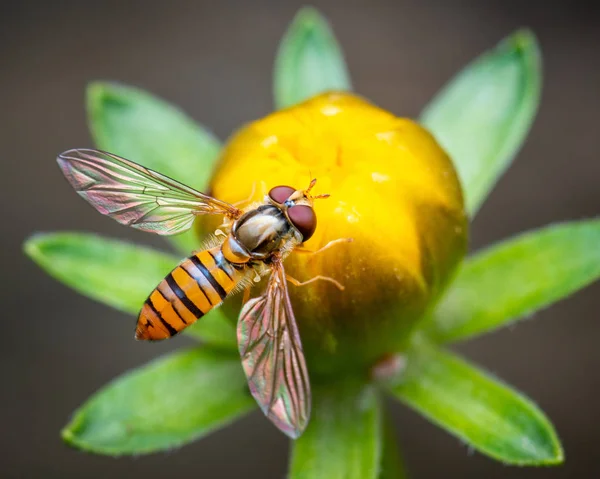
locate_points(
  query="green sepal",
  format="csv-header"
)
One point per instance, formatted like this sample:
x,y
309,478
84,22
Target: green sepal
x,y
482,116
134,124
118,274
344,435
513,279
392,462
168,403
477,408
309,60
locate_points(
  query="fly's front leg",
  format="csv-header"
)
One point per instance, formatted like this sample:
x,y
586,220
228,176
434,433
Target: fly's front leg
x,y
331,244
249,199
319,277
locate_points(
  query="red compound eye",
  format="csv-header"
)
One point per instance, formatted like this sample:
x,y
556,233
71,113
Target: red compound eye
x,y
281,193
304,220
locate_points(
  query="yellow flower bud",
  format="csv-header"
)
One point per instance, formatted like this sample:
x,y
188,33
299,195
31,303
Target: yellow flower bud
x,y
393,190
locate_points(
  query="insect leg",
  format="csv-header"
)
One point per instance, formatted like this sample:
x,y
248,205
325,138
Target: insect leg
x,y
249,199
319,277
246,296
301,249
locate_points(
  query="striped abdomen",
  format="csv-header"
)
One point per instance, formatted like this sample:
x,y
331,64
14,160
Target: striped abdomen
x,y
191,290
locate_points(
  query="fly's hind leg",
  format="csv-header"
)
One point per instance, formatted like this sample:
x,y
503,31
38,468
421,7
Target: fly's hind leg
x,y
302,249
319,277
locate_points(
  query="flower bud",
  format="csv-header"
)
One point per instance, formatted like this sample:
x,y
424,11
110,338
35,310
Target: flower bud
x,y
393,190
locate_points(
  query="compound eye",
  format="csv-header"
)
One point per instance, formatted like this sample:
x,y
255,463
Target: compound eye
x,y
304,220
281,193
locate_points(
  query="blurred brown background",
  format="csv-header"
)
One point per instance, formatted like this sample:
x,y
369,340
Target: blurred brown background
x,y
214,59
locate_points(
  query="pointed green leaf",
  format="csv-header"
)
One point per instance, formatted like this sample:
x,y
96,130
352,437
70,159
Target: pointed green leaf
x,y
343,437
517,277
477,408
113,272
215,329
142,128
392,463
118,274
484,114
167,403
309,60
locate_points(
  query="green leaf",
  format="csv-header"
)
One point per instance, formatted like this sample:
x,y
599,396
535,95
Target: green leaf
x,y
477,408
116,273
517,277
484,114
167,403
392,464
343,437
142,128
309,60
215,329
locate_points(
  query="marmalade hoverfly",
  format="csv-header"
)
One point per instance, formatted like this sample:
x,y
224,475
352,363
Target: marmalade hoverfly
x,y
256,241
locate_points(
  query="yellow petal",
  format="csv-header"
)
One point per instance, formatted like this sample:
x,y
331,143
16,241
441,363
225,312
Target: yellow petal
x,y
393,190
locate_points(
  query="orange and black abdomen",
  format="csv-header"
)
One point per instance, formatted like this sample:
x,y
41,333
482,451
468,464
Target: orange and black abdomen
x,y
191,290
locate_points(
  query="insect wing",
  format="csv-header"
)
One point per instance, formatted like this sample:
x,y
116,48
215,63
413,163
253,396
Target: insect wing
x,y
136,196
272,357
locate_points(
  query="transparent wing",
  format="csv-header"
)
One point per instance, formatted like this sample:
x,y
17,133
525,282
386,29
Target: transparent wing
x,y
136,196
272,356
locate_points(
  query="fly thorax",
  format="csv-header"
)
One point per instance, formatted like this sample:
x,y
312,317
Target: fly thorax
x,y
261,231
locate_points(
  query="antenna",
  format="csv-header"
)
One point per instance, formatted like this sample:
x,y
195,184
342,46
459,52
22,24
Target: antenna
x,y
310,187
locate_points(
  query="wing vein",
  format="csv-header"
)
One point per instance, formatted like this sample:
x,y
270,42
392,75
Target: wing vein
x,y
272,356
136,196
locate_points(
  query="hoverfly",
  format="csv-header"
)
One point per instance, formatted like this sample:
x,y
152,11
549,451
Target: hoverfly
x,y
257,240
